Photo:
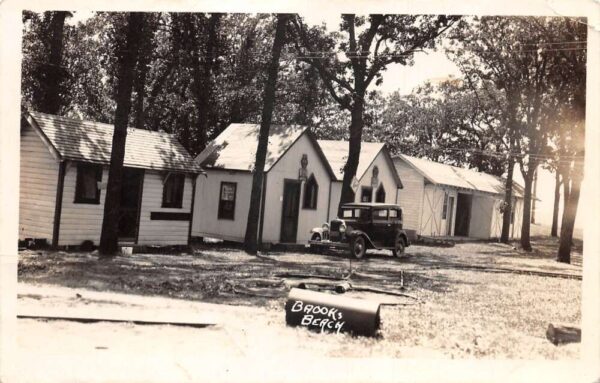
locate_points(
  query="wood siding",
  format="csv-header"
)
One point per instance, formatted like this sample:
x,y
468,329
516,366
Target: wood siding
x,y
482,215
410,198
386,178
38,180
431,220
336,194
288,167
79,221
162,232
205,221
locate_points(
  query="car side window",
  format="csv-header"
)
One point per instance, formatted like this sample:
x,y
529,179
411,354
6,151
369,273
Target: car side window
x,y
393,213
346,213
381,214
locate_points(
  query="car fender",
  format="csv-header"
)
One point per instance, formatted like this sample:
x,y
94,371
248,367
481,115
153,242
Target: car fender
x,y
404,237
317,230
357,233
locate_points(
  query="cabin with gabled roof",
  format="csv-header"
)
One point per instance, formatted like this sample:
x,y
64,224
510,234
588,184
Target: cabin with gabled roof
x,y
64,170
295,191
448,201
376,178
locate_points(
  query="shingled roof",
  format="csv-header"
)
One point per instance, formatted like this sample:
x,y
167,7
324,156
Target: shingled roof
x,y
235,147
89,141
337,155
443,174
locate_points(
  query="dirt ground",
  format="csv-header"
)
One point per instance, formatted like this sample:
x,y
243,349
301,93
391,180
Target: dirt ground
x,y
475,300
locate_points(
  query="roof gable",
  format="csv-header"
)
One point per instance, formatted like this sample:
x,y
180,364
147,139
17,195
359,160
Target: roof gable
x,y
235,147
336,153
443,174
90,141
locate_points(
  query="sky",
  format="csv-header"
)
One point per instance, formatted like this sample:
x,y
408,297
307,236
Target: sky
x,y
430,65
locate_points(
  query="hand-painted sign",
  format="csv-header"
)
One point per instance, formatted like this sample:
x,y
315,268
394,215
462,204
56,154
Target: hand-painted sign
x,y
331,313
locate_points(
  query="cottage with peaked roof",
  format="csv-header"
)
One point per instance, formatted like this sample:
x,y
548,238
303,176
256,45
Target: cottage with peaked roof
x,y
295,190
64,170
376,179
444,200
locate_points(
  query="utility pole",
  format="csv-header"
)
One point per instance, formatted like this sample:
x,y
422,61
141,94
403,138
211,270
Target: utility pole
x,y
534,196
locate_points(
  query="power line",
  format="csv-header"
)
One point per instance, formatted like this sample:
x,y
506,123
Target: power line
x,y
503,155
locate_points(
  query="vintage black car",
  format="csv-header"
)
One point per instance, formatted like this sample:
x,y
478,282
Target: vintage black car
x,y
363,226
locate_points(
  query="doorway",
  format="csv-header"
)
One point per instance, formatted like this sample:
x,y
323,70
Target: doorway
x,y
131,193
463,215
290,210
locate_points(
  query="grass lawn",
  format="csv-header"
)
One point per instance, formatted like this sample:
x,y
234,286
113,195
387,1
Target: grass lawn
x,y
481,300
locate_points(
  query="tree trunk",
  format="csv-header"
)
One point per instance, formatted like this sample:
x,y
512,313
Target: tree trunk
x,y
52,72
554,230
526,222
569,216
508,188
203,71
127,61
251,238
354,147
140,90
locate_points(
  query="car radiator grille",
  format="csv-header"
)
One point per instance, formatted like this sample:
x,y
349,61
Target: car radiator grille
x,y
335,226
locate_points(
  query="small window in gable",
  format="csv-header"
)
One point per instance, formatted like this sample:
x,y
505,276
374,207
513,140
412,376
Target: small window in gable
x,y
227,200
173,191
380,195
86,187
311,192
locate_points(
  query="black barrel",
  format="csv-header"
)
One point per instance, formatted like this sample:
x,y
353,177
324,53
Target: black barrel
x,y
331,313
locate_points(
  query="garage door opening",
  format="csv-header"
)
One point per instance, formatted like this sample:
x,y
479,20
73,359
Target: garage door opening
x,y
463,215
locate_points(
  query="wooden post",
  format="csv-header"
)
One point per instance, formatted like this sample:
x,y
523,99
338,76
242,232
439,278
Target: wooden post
x,y
58,204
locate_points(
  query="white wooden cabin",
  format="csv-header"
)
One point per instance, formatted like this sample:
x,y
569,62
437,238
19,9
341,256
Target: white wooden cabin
x,y
64,170
376,177
295,191
443,200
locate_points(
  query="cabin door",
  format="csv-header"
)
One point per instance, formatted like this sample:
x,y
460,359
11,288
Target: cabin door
x,y
131,194
463,215
290,210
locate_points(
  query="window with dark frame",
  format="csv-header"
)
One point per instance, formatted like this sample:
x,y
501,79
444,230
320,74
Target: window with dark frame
x,y
227,200
173,191
86,186
311,192
366,194
380,195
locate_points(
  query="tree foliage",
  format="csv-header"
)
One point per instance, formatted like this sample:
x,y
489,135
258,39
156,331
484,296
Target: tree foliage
x,y
350,60
445,122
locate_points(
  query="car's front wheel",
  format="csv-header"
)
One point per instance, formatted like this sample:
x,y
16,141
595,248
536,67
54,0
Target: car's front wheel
x,y
358,247
315,248
399,246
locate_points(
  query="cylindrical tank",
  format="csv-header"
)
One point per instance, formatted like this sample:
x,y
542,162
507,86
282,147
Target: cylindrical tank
x,y
331,313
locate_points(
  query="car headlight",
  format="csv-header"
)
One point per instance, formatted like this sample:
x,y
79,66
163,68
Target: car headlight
x,y
343,228
325,226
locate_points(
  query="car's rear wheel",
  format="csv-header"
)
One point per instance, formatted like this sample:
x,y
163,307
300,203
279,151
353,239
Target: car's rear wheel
x,y
358,247
399,246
